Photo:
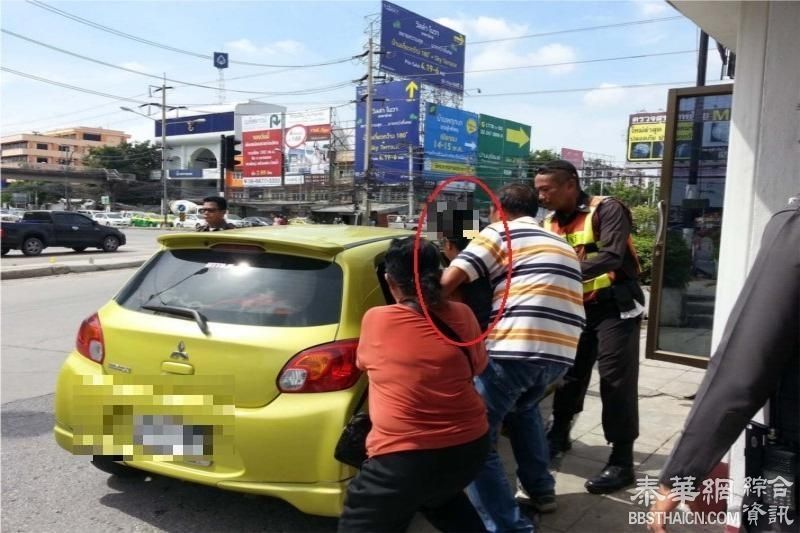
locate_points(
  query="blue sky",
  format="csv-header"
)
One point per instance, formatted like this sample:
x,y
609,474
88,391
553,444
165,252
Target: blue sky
x,y
284,33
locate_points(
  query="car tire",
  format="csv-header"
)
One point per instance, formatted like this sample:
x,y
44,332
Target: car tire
x,y
110,244
4,251
79,248
110,465
32,246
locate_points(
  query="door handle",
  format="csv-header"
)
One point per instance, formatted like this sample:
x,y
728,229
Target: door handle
x,y
75,228
177,368
662,219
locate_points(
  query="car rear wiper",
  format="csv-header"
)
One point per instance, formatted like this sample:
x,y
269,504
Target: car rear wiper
x,y
198,317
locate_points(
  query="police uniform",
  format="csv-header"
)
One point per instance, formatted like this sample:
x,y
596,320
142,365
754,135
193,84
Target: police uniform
x,y
226,225
599,231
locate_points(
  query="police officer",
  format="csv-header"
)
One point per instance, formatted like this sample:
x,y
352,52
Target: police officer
x,y
599,230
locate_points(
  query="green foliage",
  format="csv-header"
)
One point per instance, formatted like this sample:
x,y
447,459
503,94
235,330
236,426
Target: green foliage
x,y
645,219
644,245
137,158
677,261
540,157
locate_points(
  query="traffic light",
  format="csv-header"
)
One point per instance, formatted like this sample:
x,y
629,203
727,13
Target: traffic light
x,y
230,153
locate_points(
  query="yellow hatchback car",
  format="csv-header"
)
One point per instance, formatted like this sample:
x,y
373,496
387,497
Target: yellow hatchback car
x,y
228,359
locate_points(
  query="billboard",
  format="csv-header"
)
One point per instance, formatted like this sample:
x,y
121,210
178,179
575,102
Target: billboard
x,y
416,47
646,136
451,142
262,142
573,156
308,140
395,127
212,123
503,148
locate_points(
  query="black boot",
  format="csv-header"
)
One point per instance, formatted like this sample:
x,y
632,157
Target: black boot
x,y
617,474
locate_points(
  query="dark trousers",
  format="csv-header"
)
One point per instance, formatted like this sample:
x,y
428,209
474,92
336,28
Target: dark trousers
x,y
614,344
391,488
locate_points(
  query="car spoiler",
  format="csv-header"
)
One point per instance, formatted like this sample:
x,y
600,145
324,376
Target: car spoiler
x,y
298,245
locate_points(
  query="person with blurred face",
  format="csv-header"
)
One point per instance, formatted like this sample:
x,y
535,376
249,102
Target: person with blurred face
x,y
599,229
214,210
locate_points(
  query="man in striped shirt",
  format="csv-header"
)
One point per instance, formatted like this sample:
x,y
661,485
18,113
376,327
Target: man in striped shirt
x,y
532,345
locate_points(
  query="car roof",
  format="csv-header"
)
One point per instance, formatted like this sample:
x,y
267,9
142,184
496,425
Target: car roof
x,y
326,239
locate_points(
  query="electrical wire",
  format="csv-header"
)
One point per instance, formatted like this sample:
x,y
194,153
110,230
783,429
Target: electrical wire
x,y
142,40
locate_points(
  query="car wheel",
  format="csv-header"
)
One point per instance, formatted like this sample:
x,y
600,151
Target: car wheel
x,y
110,465
32,246
79,248
110,244
4,251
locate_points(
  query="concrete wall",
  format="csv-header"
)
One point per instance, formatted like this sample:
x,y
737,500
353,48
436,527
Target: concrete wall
x,y
764,156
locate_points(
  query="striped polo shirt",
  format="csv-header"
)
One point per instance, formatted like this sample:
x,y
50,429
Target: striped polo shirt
x,y
544,315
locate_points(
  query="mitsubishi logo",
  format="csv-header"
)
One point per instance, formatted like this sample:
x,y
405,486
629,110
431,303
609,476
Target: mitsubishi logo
x,y
179,353
190,126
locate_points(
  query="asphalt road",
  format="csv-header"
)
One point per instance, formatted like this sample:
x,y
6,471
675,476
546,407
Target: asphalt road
x,y
140,242
47,489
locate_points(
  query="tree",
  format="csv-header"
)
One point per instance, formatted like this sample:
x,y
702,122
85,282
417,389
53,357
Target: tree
x,y
137,158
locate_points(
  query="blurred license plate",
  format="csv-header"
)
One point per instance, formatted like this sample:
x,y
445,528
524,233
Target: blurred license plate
x,y
166,435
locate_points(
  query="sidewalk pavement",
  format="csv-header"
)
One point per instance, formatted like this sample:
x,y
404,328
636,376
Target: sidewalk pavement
x,y
662,412
74,264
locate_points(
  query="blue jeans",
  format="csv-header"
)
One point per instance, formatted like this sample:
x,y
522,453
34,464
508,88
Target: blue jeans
x,y
513,387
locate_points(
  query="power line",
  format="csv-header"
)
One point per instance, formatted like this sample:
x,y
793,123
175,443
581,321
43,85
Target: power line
x,y
73,87
142,40
185,83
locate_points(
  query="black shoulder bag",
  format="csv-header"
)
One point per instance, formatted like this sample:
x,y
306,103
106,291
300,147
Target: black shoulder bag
x,y
352,446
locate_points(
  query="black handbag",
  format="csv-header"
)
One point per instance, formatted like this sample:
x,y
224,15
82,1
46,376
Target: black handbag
x,y
352,446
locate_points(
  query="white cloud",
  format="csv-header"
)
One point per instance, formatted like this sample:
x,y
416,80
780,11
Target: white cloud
x,y
605,95
135,65
507,54
278,48
653,9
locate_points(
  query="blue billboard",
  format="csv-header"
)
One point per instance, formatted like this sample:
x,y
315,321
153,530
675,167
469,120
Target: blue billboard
x,y
395,127
416,47
450,133
211,123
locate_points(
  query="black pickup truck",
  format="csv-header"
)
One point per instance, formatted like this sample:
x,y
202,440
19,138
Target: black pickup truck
x,y
39,229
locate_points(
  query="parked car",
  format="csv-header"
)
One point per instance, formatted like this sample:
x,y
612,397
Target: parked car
x,y
9,216
191,221
259,221
237,221
264,322
111,219
41,229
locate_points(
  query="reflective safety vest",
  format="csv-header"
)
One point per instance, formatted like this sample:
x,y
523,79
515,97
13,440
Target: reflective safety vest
x,y
579,233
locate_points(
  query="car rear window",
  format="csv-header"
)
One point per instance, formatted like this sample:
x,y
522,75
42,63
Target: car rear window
x,y
240,288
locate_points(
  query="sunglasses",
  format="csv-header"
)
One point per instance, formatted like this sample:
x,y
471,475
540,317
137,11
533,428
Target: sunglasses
x,y
207,210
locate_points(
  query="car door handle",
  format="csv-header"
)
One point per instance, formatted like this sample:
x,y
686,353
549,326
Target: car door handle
x,y
177,368
75,228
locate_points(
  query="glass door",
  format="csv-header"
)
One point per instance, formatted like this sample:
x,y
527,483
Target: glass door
x,y
686,255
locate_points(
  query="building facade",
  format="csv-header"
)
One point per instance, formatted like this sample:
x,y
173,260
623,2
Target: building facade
x,y
58,147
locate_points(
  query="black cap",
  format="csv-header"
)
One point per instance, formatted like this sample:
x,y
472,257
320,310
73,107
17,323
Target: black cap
x,y
558,164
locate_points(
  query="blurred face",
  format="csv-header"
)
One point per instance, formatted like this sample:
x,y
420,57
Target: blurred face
x,y
554,194
449,249
214,215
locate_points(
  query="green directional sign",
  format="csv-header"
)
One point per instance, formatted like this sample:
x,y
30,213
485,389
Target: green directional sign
x,y
503,148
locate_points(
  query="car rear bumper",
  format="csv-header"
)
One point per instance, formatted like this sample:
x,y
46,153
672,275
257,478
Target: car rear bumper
x,y
283,449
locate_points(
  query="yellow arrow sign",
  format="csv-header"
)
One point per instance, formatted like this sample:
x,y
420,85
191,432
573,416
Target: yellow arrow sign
x,y
459,40
517,136
411,89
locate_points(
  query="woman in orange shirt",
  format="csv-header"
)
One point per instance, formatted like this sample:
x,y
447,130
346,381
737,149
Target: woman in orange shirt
x,y
429,427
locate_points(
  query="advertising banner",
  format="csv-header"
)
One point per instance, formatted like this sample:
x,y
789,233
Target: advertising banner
x,y
573,156
186,173
503,148
395,127
262,142
307,140
646,136
267,181
419,48
211,123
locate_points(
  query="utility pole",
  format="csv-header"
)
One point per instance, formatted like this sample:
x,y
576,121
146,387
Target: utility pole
x,y
368,134
164,197
410,181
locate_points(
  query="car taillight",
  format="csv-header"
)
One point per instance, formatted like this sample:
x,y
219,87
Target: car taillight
x,y
324,368
89,342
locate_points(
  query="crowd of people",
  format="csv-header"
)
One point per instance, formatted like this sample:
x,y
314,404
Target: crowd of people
x,y
558,297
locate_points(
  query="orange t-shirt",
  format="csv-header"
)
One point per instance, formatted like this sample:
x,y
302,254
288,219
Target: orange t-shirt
x,y
421,394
